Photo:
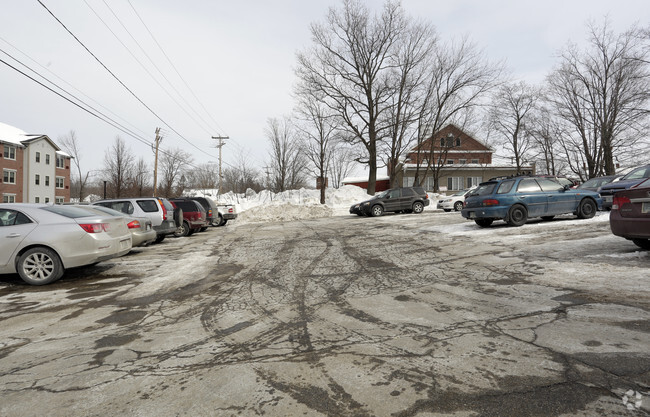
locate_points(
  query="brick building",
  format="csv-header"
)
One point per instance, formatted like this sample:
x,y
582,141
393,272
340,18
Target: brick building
x,y
461,160
34,169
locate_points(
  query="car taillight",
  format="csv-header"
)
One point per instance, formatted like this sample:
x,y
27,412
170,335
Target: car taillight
x,y
210,212
490,202
230,210
164,210
134,224
619,201
95,227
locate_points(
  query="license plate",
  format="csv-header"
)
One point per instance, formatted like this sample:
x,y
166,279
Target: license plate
x,y
472,215
645,208
124,244
608,199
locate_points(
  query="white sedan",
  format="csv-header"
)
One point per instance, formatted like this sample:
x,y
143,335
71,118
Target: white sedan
x,y
40,241
454,201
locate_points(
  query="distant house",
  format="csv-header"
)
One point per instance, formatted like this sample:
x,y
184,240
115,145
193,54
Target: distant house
x,y
462,160
34,169
382,182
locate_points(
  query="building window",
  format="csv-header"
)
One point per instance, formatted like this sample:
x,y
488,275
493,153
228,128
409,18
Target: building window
x,y
408,181
462,161
47,180
450,161
60,182
8,176
475,161
60,162
457,141
474,181
59,200
47,159
454,183
47,200
8,198
37,199
37,179
38,157
9,152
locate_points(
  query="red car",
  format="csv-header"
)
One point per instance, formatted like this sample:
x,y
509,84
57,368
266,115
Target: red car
x,y
630,216
194,217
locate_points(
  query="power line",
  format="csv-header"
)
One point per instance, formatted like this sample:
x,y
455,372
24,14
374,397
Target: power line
x,y
120,81
175,69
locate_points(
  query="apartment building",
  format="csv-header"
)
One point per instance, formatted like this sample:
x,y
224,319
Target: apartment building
x,y
34,169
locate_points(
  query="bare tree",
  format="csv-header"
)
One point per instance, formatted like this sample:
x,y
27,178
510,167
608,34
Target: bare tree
x,y
118,168
342,164
204,177
350,63
141,178
71,146
240,177
288,163
317,129
602,93
411,68
511,118
460,77
173,165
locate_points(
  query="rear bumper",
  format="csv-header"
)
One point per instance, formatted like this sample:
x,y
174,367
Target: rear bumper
x,y
498,212
167,227
629,228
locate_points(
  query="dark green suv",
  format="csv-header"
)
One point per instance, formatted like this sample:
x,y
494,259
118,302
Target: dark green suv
x,y
403,199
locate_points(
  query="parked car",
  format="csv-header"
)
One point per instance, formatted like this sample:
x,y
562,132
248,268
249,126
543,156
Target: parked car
x,y
211,210
39,241
403,199
517,199
594,184
632,178
225,212
142,232
159,210
630,216
455,201
194,217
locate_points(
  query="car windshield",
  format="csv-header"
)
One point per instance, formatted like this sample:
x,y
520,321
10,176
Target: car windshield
x,y
106,210
639,173
594,182
486,188
382,194
458,193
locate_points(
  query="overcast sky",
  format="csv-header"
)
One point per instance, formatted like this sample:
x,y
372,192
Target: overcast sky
x,y
236,56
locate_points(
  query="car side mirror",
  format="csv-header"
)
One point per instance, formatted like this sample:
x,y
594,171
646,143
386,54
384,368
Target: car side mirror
x,y
566,187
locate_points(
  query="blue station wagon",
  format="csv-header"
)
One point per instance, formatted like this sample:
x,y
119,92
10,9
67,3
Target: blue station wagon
x,y
518,199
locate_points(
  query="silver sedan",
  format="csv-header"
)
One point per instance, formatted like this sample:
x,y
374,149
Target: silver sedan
x,y
142,231
40,241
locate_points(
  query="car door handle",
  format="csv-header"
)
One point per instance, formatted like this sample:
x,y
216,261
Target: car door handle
x,y
13,235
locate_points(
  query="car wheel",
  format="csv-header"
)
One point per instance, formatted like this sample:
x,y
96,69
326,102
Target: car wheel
x,y
360,214
642,243
376,210
447,210
159,238
203,229
39,266
517,216
182,230
418,207
483,222
220,221
587,209
547,218
458,205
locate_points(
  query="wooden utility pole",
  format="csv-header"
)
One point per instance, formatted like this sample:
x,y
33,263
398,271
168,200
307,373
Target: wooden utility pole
x,y
220,145
155,165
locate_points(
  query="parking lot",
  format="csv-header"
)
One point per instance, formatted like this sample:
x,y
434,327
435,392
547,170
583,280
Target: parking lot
x,y
401,315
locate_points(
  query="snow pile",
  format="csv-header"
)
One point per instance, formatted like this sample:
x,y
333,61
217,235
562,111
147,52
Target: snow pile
x,y
288,205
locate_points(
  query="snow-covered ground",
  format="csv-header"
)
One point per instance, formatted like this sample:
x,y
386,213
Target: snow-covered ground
x,y
266,206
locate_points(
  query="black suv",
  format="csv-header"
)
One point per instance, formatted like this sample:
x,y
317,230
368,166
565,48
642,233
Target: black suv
x,y
404,199
633,178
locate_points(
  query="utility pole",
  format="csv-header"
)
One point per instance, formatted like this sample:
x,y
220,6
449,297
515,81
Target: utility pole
x,y
155,166
220,145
